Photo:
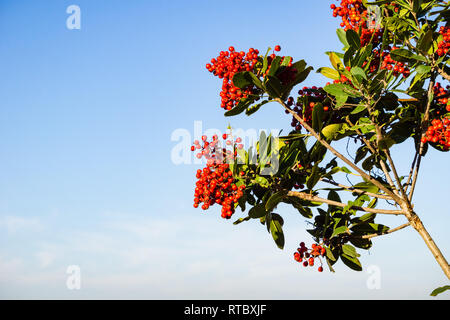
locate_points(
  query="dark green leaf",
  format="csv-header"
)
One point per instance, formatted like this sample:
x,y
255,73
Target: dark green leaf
x,y
317,117
274,200
404,55
277,232
257,211
353,39
273,86
242,106
351,262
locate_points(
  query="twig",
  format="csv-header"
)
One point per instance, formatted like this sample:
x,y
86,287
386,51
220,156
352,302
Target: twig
x,y
373,235
310,197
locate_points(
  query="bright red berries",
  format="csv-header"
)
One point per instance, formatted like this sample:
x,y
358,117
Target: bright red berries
x,y
440,95
225,66
439,133
215,184
355,16
277,48
444,45
390,64
310,255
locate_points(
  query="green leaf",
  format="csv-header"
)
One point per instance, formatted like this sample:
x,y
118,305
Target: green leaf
x,y
358,74
273,86
246,78
242,106
416,5
339,230
330,255
301,76
361,153
314,177
240,220
439,290
274,200
277,231
342,37
425,42
263,182
274,66
350,250
353,39
299,65
369,228
404,55
251,110
368,217
257,211
330,131
351,262
317,117
339,89
329,73
422,69
335,61
298,204
358,109
334,196
361,243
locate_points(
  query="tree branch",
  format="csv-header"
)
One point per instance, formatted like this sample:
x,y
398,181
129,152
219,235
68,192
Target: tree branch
x,y
424,122
337,154
444,74
373,235
310,197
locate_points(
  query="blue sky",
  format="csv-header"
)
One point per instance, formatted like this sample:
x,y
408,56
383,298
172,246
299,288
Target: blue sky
x,y
86,172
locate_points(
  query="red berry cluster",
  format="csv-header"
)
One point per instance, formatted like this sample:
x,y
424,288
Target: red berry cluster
x,y
444,45
439,133
225,66
390,64
355,16
309,255
351,12
215,184
314,95
440,94
213,151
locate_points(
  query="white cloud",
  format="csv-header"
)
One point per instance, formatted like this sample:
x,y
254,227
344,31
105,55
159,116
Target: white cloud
x,y
190,257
